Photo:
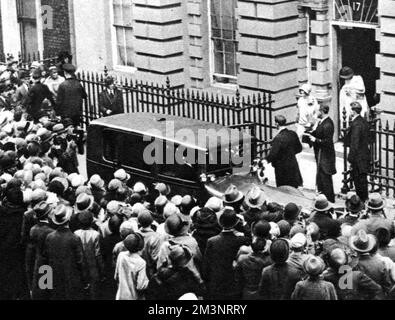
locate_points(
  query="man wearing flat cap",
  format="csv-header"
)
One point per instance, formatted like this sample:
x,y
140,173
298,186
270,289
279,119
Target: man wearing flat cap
x,y
357,139
71,95
285,146
324,150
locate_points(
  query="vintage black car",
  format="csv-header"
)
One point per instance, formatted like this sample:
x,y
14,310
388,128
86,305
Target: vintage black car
x,y
187,153
121,141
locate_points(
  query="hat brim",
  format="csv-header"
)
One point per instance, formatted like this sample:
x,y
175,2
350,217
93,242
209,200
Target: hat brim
x,y
346,77
229,227
261,201
328,207
371,244
64,221
91,200
376,208
238,199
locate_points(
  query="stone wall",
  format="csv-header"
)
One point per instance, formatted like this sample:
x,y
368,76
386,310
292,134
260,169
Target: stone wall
x,y
386,58
159,41
268,44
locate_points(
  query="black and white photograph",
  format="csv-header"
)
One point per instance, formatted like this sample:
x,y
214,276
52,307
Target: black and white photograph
x,y
207,153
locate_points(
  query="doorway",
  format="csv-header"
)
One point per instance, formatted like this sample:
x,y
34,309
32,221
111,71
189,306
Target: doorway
x,y
358,49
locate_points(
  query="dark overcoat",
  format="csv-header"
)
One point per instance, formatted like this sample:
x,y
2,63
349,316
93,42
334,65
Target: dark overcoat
x,y
114,104
358,141
285,146
324,149
63,252
35,258
71,95
218,271
12,282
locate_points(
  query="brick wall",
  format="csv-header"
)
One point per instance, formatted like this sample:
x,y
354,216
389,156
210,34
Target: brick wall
x,y
57,38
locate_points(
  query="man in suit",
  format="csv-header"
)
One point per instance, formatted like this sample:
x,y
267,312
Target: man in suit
x,y
324,150
36,95
71,95
358,157
221,252
285,146
110,100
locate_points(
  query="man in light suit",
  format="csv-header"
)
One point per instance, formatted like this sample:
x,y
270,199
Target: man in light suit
x,y
110,100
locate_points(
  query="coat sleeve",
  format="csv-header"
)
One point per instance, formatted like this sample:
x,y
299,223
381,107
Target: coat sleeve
x,y
264,284
274,151
327,139
61,97
206,262
355,136
296,295
119,103
84,95
102,104
369,286
49,95
142,279
298,144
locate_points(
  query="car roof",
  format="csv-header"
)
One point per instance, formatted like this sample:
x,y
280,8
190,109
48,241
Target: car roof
x,y
154,124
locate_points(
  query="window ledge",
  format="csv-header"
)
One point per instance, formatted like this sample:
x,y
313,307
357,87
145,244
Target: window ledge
x,y
225,86
131,70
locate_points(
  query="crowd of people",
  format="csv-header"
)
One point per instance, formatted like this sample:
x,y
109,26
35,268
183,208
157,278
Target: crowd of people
x,y
64,237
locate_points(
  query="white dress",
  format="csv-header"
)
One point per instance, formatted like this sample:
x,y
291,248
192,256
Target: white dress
x,y
352,91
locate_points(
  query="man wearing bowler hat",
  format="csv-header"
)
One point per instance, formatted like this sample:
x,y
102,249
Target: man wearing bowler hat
x,y
285,146
357,139
71,95
221,252
63,252
324,149
110,100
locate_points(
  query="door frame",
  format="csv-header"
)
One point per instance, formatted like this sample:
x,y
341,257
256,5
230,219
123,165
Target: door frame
x,y
337,63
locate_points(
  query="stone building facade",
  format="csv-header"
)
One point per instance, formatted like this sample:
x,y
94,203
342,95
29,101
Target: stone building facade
x,y
224,45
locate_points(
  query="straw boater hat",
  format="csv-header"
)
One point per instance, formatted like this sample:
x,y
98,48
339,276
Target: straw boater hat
x,y
314,266
62,215
375,202
362,242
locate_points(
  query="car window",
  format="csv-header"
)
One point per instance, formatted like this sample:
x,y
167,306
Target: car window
x,y
126,149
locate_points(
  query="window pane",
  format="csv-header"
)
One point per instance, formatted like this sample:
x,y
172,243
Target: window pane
x,y
230,64
219,62
117,4
223,34
129,46
123,24
127,13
